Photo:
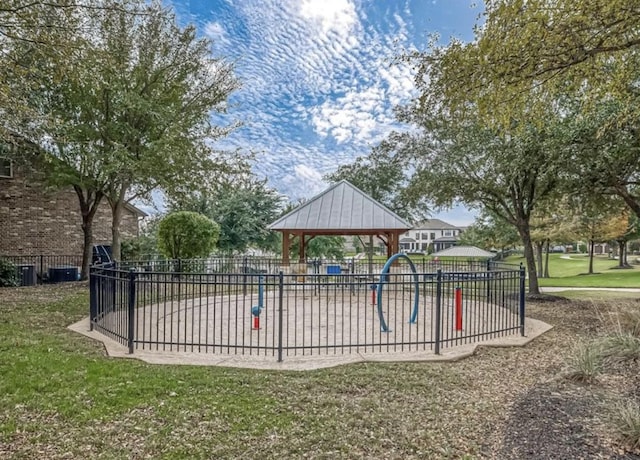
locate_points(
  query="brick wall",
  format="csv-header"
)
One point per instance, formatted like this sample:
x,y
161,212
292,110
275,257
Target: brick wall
x,y
35,220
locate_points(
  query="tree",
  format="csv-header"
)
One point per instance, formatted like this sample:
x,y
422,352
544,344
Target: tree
x,y
508,173
330,247
599,221
127,110
243,206
490,232
628,228
187,235
382,175
522,46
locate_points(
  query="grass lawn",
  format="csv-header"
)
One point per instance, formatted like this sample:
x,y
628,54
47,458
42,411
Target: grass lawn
x,y
61,397
570,271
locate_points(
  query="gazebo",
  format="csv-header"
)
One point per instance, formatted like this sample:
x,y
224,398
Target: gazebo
x,y
342,209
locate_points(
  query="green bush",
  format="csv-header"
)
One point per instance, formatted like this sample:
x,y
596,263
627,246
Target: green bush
x,y
8,273
187,235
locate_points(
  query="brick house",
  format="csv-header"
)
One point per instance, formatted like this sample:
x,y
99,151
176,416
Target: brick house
x,y
37,220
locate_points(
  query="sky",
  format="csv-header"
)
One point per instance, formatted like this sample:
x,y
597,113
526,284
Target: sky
x,y
319,79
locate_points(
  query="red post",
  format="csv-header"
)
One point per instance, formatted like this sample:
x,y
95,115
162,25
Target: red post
x,y
256,322
458,309
373,294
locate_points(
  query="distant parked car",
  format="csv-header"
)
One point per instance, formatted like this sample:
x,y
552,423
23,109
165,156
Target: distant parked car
x,y
558,249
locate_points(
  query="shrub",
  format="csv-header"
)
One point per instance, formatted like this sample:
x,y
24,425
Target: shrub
x,y
8,273
585,363
187,235
621,346
625,418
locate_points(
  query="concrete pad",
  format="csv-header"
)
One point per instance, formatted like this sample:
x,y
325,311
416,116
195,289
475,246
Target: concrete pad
x,y
534,328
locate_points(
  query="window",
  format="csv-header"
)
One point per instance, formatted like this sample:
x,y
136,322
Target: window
x,y
433,236
447,233
6,169
425,236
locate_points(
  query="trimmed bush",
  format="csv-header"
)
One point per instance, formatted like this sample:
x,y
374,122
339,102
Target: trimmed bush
x,y
187,235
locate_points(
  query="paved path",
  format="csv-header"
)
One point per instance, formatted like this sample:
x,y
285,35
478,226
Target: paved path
x,y
560,289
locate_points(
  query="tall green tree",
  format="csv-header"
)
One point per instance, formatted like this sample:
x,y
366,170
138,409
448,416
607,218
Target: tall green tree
x,y
508,173
243,207
128,110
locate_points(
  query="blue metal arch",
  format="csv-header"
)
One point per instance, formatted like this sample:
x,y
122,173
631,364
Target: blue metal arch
x,y
384,278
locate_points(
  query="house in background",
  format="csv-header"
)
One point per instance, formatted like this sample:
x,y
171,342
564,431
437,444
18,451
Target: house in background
x,y
430,235
38,220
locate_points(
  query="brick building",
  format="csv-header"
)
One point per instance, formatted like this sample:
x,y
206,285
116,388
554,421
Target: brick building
x,y
37,220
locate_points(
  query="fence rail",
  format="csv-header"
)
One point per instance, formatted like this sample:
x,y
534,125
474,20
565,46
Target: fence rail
x,y
298,314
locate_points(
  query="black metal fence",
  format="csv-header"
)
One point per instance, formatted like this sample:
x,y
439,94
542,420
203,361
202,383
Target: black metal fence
x,y
311,313
37,269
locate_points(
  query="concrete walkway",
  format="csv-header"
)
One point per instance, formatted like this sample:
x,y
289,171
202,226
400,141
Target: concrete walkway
x,y
560,289
533,329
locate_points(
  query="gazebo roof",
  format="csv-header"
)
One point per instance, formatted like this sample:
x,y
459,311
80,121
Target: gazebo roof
x,y
470,252
341,208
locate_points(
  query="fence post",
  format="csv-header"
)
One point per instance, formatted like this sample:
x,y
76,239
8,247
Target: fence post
x,y
132,309
522,277
41,269
244,269
438,309
280,302
93,297
488,280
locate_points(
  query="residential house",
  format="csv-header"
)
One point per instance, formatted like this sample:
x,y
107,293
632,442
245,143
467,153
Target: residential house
x,y
430,235
39,220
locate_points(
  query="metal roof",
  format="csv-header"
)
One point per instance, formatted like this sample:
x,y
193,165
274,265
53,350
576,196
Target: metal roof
x,y
341,207
471,252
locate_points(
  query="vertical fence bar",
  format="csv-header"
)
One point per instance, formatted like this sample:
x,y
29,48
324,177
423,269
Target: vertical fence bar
x,y
280,302
132,306
438,309
522,276
93,297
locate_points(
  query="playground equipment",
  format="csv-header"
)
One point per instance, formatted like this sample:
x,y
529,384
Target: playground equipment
x,y
384,278
257,309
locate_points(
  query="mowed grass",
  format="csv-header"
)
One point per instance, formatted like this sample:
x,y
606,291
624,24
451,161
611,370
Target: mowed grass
x,y
570,270
61,397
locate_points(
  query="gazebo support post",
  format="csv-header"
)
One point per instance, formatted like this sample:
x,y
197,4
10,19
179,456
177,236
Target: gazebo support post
x,y
286,242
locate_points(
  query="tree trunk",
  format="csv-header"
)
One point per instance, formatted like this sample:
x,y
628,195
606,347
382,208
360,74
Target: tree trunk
x,y
523,229
592,244
116,217
539,257
546,261
89,201
622,253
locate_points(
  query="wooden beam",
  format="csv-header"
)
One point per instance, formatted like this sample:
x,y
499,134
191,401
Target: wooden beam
x,y
286,242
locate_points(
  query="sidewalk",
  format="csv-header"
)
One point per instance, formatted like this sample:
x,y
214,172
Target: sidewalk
x,y
559,289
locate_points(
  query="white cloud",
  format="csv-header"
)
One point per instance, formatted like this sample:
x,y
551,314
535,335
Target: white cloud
x,y
330,15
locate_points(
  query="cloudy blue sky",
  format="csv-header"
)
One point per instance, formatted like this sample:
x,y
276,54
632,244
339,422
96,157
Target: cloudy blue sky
x,y
318,81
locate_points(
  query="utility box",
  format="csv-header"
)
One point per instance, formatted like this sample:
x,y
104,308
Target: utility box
x,y
27,274
63,274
